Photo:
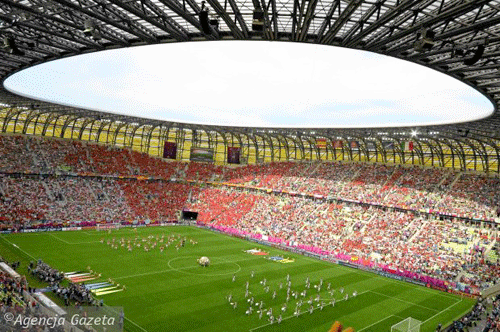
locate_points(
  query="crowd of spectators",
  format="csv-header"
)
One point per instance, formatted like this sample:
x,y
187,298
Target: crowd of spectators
x,y
469,321
37,155
11,291
15,298
416,188
26,201
64,181
154,200
493,318
447,249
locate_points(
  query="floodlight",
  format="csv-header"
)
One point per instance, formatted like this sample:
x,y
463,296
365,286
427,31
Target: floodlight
x,y
9,44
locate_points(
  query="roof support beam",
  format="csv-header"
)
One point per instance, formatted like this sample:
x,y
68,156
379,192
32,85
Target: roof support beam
x,y
130,27
311,7
339,23
326,23
452,12
237,34
386,18
182,11
168,25
239,18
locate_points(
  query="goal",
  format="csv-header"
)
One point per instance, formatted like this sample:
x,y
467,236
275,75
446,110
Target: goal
x,y
408,325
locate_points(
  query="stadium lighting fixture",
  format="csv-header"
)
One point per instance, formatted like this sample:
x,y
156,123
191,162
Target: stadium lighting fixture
x,y
425,40
414,133
90,30
10,46
258,20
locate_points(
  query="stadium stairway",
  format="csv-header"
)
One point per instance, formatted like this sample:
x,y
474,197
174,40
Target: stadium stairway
x,y
309,171
349,227
307,216
410,224
445,177
489,253
410,240
355,175
459,175
391,179
49,192
450,186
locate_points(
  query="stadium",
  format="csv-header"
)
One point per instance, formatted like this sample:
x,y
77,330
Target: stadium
x,y
191,226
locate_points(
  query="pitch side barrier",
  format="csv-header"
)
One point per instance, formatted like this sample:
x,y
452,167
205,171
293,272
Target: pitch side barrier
x,y
384,272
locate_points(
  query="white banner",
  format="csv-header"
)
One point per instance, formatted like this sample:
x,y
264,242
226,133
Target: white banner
x,y
9,270
49,303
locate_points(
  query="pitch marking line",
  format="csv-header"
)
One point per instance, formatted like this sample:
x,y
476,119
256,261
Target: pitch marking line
x,y
445,309
204,274
64,241
183,268
306,311
364,328
143,329
401,300
16,246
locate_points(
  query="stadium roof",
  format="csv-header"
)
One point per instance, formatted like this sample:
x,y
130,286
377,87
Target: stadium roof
x,y
459,38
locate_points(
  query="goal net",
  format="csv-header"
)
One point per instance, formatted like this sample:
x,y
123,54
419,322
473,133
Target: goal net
x,y
408,325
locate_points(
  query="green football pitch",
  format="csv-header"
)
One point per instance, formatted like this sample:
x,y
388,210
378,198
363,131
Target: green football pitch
x,y
169,291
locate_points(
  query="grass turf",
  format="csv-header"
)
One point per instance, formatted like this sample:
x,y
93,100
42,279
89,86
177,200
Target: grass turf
x,y
169,291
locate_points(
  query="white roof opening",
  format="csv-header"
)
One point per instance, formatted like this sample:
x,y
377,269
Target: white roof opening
x,y
255,84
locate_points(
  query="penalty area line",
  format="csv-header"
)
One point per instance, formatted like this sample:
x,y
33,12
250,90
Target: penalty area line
x,y
379,321
445,309
64,241
404,301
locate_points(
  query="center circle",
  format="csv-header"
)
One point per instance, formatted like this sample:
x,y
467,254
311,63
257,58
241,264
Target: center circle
x,y
189,265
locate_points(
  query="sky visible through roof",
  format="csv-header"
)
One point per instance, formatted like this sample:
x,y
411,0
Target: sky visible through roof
x,y
254,83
